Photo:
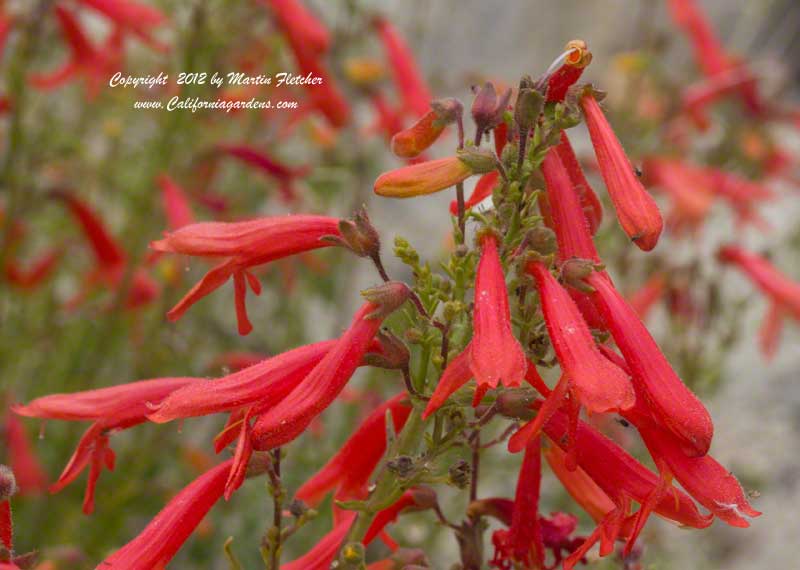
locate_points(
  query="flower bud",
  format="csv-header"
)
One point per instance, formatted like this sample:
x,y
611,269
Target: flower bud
x,y
412,141
526,111
542,240
516,403
574,272
460,474
359,235
479,161
487,111
402,466
353,554
424,497
393,356
387,297
425,177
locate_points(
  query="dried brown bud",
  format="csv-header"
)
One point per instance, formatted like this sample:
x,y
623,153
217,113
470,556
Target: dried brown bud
x,y
460,474
394,354
402,466
358,235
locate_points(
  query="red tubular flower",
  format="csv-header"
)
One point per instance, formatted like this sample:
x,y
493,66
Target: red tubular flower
x,y
622,479
413,90
415,499
566,214
138,19
454,376
297,20
784,294
698,96
284,175
176,203
637,212
703,477
496,356
349,470
245,244
321,556
290,417
711,484
648,295
590,203
525,534
259,385
597,386
388,120
689,189
711,56
422,178
575,59
162,538
110,409
305,37
30,277
483,189
8,487
109,256
579,485
85,58
564,211
671,402
31,478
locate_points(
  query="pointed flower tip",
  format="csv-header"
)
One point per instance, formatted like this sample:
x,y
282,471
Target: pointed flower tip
x,y
637,211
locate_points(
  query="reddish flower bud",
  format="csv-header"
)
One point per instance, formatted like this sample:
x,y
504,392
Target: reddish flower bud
x,y
487,110
423,178
637,212
496,356
412,141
